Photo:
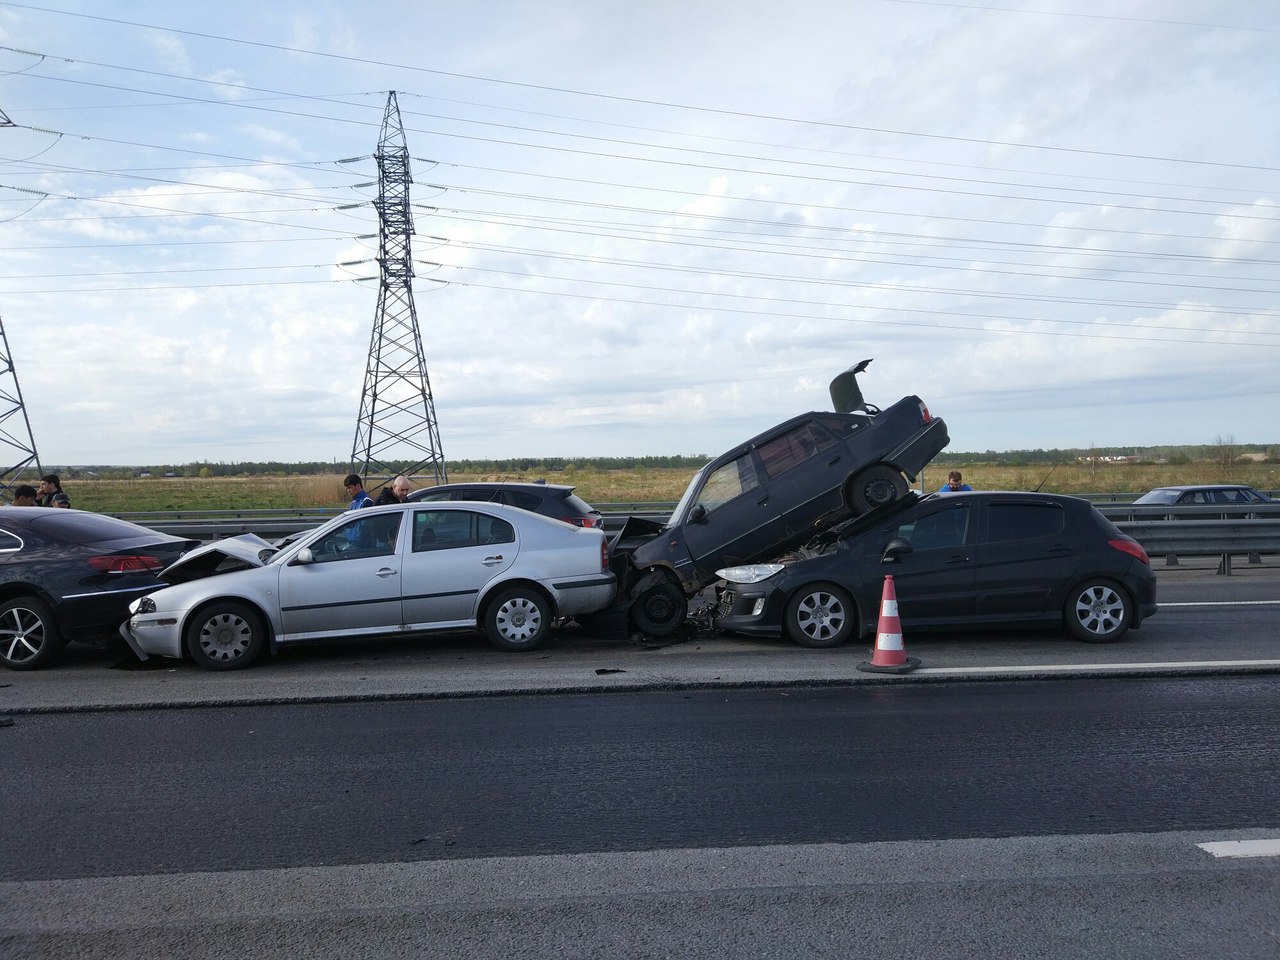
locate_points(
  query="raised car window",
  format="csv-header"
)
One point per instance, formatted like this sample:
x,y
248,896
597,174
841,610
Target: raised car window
x,y
935,531
731,480
793,447
1023,521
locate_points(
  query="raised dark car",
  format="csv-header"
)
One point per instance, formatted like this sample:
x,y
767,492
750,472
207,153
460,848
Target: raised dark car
x,y
71,575
958,561
554,500
772,493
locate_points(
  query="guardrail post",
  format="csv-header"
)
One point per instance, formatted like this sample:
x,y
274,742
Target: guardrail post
x,y
1255,558
1224,565
1171,560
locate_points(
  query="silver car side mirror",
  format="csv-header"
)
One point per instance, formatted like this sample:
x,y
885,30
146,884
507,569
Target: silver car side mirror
x,y
305,556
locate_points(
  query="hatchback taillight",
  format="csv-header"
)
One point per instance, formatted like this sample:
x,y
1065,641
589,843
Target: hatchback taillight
x,y
586,521
604,556
127,563
1131,547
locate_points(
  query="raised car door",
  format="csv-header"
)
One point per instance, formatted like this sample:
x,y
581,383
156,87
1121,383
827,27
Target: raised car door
x,y
732,518
452,557
352,584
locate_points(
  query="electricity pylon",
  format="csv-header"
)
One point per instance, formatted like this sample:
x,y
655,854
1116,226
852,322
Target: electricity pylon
x,y
16,439
397,414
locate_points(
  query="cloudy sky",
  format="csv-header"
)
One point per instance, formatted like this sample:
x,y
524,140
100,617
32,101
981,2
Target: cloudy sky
x,y
641,228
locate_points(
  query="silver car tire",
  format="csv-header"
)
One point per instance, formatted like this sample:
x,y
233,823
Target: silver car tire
x,y
1098,611
29,635
820,615
517,619
226,635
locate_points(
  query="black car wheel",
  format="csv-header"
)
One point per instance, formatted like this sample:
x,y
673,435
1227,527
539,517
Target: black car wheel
x,y
820,615
29,636
518,619
660,607
874,487
1098,611
226,635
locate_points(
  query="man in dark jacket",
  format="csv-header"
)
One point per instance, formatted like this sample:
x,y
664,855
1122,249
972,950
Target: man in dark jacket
x,y
397,491
51,494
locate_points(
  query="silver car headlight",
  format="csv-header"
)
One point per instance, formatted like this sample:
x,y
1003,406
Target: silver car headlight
x,y
142,605
751,573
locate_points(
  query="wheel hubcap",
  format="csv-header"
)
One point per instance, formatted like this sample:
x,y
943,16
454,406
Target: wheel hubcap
x,y
821,616
225,637
519,620
1100,610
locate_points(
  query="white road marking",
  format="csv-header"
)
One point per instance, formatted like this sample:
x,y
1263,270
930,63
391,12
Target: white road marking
x,y
1223,603
1069,667
1242,848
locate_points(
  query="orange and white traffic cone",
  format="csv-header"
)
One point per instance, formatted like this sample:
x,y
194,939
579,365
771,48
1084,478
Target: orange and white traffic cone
x,y
889,655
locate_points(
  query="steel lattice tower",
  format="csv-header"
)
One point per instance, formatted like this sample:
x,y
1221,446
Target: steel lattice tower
x,y
397,415
15,427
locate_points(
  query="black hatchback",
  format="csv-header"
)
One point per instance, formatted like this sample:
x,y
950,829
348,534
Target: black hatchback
x,y
554,500
958,561
71,575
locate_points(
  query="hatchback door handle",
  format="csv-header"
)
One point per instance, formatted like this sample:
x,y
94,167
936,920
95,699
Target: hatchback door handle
x,y
833,461
386,572
762,501
492,561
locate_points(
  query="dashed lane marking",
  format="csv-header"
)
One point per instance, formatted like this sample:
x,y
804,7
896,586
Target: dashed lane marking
x,y
1242,848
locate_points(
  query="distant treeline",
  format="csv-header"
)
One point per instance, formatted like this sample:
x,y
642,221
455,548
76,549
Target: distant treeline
x,y
537,466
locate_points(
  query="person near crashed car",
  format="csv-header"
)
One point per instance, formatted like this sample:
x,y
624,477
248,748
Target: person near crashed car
x,y
355,490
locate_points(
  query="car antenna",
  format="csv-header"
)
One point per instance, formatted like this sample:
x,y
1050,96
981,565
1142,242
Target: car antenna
x,y
1046,477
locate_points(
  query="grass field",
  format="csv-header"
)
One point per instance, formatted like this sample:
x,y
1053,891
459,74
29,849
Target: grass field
x,y
631,486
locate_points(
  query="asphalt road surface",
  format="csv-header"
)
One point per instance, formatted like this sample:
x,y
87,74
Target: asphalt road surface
x,y
708,797
226,800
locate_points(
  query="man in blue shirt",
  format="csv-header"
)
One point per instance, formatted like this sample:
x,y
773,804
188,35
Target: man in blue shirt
x,y
955,483
355,490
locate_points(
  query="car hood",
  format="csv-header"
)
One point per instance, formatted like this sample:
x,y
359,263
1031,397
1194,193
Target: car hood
x,y
237,553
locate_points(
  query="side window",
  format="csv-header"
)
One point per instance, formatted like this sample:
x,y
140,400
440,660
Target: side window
x,y
433,496
732,480
363,537
794,447
1024,521
525,501
944,528
443,529
494,530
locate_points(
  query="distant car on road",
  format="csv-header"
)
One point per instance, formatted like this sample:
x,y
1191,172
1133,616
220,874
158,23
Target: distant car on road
x,y
70,575
1205,494
549,499
774,492
397,569
958,561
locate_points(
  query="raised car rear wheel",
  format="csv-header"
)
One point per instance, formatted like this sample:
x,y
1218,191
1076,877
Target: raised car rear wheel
x,y
874,487
29,636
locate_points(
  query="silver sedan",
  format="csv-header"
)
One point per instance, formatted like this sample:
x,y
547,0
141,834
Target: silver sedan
x,y
403,568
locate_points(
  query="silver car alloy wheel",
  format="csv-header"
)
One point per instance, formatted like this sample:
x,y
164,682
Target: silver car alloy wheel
x,y
518,619
820,615
1100,610
22,635
225,637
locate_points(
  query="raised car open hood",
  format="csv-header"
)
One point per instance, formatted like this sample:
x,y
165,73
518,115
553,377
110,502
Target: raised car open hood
x,y
236,553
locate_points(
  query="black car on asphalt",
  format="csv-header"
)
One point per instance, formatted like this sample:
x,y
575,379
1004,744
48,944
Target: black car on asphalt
x,y
774,492
958,561
554,500
71,575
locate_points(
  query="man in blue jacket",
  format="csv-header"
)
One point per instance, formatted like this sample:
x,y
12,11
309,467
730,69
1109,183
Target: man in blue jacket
x,y
955,483
355,490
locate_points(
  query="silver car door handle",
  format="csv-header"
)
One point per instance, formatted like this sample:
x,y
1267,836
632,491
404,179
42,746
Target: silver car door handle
x,y
385,572
492,561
